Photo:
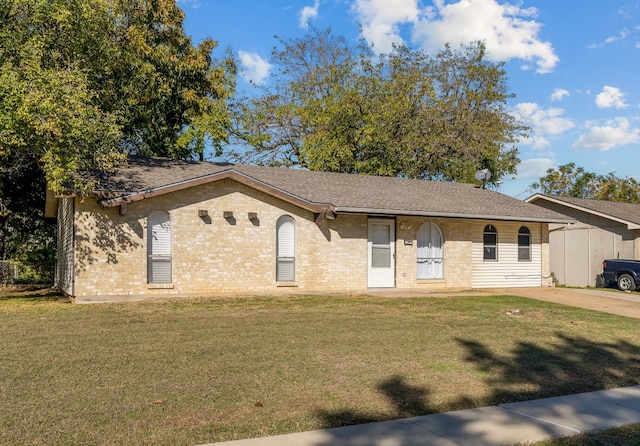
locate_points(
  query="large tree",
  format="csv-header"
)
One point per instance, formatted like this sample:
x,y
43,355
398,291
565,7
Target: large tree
x,y
571,181
83,83
340,107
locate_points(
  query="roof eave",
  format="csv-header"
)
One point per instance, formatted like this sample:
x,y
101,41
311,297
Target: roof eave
x,y
630,225
413,213
218,176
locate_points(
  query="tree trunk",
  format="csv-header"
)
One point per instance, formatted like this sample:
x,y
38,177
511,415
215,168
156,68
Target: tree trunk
x,y
3,221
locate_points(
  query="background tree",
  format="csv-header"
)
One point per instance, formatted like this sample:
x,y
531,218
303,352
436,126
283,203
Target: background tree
x,y
85,82
339,107
571,181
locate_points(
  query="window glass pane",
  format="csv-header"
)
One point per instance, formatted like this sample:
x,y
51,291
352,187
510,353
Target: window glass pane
x,y
429,253
380,234
381,256
490,239
490,253
159,247
523,240
490,242
285,269
285,249
159,269
524,253
286,237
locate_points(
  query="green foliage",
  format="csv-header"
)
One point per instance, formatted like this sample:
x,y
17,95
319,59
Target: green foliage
x,y
29,239
171,95
84,82
339,107
571,181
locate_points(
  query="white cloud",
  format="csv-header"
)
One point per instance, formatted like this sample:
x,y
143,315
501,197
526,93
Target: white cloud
x,y
611,39
255,68
544,123
307,13
617,132
509,31
611,97
624,33
559,94
534,168
381,20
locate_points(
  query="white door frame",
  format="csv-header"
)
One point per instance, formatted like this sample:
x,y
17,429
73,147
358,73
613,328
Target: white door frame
x,y
381,275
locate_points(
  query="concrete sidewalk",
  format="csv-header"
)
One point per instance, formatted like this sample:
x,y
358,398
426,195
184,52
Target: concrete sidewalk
x,y
505,424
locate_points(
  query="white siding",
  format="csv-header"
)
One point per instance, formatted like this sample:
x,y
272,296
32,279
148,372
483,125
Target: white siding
x,y
507,271
64,260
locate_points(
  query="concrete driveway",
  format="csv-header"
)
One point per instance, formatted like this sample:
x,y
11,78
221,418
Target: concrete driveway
x,y
599,299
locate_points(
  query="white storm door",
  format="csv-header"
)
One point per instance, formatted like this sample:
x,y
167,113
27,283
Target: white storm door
x,y
381,253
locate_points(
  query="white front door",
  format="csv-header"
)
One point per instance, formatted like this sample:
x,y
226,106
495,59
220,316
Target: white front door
x,y
381,253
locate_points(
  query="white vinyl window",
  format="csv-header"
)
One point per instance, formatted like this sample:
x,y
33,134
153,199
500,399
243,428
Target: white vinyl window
x,y
490,242
430,253
159,247
524,244
285,247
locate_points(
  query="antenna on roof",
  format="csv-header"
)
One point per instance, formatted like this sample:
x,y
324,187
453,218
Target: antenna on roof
x,y
483,175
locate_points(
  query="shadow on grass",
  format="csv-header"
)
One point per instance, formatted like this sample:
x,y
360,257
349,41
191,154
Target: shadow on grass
x,y
570,365
408,401
40,293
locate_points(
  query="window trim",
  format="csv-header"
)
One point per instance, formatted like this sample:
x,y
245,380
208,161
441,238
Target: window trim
x,y
489,230
528,246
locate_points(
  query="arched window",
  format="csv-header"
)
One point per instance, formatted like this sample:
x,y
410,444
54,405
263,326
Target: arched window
x,y
285,249
430,254
524,244
490,242
159,247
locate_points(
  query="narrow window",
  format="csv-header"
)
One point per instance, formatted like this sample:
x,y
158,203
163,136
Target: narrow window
x,y
285,247
429,256
490,242
524,244
159,247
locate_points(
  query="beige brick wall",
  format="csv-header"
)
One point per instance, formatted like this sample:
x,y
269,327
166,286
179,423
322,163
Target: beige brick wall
x,y
237,256
216,256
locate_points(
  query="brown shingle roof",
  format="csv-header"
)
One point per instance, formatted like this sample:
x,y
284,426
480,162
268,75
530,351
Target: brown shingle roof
x,y
627,212
143,177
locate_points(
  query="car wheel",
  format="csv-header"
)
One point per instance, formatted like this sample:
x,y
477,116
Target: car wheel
x,y
626,283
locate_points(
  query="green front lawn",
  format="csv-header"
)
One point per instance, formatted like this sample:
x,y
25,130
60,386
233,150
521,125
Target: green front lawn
x,y
198,371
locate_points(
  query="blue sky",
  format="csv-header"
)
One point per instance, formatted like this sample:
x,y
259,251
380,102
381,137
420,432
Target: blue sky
x,y
572,64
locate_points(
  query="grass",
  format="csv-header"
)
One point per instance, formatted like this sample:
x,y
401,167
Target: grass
x,y
622,436
196,371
